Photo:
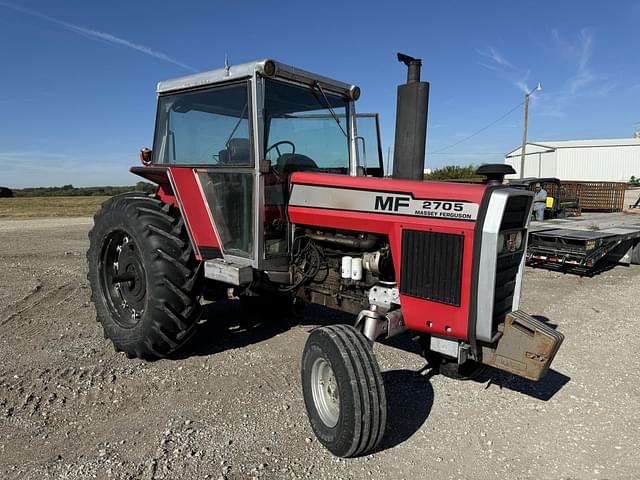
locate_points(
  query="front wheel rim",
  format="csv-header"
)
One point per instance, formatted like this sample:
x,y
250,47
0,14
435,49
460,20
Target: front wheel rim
x,y
324,389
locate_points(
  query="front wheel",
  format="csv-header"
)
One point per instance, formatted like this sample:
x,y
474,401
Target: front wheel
x,y
343,391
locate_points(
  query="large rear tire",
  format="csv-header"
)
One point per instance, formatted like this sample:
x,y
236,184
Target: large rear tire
x,y
145,280
343,391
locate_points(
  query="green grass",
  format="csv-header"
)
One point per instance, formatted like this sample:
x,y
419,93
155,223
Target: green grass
x,y
34,207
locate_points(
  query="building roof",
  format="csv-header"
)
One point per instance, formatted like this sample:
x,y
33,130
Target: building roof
x,y
550,146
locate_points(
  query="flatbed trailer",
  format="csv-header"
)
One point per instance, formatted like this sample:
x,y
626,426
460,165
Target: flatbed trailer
x,y
584,241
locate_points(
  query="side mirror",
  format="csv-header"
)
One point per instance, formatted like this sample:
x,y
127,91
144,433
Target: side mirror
x,y
145,156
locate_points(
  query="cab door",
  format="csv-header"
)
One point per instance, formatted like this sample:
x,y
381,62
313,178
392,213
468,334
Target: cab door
x,y
368,145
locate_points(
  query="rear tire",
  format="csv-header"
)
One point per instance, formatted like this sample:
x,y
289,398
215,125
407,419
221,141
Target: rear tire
x,y
145,280
343,391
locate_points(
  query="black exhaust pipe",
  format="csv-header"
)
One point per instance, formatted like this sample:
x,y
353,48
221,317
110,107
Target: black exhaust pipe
x,y
411,123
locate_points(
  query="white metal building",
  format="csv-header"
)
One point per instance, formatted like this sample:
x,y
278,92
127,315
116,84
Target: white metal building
x,y
610,160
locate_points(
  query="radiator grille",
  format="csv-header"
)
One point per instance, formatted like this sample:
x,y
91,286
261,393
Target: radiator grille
x,y
432,266
506,274
507,265
515,212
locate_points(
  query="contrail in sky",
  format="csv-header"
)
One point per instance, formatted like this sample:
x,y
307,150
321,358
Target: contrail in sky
x,y
95,34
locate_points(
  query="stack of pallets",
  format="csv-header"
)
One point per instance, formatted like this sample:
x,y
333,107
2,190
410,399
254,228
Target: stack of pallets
x,y
597,196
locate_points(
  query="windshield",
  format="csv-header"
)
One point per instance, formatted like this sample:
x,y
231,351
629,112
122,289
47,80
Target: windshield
x,y
306,129
205,127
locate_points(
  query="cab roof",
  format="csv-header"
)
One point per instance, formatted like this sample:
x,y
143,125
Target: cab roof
x,y
246,70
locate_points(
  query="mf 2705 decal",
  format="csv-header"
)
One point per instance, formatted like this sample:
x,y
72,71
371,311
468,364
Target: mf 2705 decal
x,y
405,205
314,196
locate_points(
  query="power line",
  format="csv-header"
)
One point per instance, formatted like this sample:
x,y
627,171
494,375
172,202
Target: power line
x,y
479,131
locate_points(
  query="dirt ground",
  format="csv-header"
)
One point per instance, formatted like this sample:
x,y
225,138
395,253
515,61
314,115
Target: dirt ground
x,y
229,404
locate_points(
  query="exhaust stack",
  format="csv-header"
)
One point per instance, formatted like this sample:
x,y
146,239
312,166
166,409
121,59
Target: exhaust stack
x,y
411,123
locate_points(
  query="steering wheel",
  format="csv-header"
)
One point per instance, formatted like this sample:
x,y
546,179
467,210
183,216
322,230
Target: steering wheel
x,y
277,147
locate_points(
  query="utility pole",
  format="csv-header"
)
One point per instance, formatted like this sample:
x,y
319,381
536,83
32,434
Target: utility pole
x,y
524,129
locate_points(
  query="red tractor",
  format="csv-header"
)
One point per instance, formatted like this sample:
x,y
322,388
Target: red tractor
x,y
271,188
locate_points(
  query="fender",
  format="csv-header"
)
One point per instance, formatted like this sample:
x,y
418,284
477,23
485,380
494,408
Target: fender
x,y
180,186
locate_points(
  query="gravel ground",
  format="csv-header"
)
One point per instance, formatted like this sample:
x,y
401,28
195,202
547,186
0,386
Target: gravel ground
x,y
229,404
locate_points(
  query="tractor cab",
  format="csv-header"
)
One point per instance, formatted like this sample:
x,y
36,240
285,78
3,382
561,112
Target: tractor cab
x,y
244,130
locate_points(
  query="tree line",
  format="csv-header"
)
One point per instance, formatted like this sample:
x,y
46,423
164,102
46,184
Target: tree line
x,y
71,191
452,172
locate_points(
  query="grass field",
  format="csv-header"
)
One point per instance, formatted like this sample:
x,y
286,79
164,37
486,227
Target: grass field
x,y
32,207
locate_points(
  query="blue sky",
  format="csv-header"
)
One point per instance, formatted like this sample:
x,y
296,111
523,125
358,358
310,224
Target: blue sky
x,y
77,78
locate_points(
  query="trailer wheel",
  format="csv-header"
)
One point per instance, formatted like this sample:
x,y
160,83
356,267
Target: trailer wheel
x,y
145,281
343,391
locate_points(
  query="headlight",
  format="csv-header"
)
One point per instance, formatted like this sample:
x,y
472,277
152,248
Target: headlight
x,y
519,238
269,68
354,92
510,242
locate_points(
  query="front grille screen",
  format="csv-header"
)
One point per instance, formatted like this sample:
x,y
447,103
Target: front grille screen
x,y
432,266
515,212
508,264
506,272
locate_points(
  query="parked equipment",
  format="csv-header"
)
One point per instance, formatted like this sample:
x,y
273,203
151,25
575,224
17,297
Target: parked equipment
x,y
264,190
583,242
558,201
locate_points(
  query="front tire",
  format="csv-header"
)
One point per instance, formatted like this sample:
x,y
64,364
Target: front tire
x,y
145,280
343,391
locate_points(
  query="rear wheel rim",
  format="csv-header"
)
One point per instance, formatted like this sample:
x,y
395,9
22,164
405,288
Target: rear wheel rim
x,y
123,278
324,389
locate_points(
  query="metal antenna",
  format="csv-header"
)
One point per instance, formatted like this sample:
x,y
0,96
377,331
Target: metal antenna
x,y
226,63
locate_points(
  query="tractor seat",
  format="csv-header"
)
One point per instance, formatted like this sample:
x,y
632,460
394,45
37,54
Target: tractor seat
x,y
294,162
237,152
